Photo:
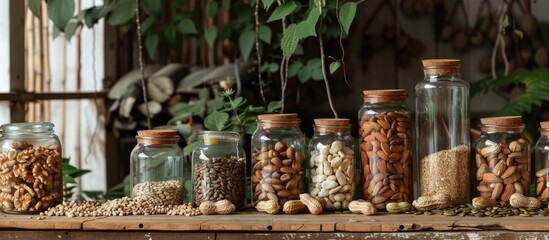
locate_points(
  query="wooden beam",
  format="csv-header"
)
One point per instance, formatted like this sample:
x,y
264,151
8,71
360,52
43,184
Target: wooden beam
x,y
22,97
17,57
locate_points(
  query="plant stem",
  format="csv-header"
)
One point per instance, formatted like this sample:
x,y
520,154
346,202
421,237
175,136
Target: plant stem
x,y
258,54
140,59
283,64
234,108
323,64
341,44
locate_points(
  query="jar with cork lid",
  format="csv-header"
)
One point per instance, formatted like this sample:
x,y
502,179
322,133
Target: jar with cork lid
x,y
542,162
502,159
156,167
386,147
278,159
332,162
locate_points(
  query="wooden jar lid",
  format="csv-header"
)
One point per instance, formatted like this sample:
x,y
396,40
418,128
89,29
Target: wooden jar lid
x,y
281,116
278,120
509,123
164,136
544,124
441,66
384,95
332,124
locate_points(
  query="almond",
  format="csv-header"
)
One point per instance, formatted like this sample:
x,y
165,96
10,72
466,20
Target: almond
x,y
540,186
484,188
507,192
508,172
519,188
498,189
499,168
482,170
491,178
512,179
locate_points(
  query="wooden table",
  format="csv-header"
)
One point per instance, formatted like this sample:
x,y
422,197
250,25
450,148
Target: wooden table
x,y
253,225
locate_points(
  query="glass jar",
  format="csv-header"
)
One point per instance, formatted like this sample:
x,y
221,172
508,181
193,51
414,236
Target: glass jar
x,y
219,169
332,163
30,165
442,131
278,160
542,162
386,147
156,167
502,159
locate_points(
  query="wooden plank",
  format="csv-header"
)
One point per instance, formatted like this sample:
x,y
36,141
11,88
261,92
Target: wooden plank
x,y
365,236
147,223
95,235
535,223
32,222
393,223
17,56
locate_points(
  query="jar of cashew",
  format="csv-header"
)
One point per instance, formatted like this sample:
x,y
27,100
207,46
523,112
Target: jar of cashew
x,y
332,163
502,159
278,159
386,147
542,162
30,165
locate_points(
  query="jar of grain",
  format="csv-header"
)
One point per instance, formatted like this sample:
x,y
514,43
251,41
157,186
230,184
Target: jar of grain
x,y
386,147
542,162
156,167
332,162
30,167
219,168
502,159
442,131
278,159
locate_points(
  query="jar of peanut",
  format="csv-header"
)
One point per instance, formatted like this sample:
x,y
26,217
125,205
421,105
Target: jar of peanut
x,y
386,147
542,162
278,159
332,163
30,165
502,159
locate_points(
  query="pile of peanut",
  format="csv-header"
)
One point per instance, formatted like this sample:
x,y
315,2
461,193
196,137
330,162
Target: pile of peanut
x,y
161,192
332,175
386,157
542,184
220,178
503,169
30,177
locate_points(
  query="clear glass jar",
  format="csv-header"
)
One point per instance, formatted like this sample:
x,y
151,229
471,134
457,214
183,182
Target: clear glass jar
x,y
30,167
332,163
542,162
502,159
219,169
442,131
156,167
386,147
278,160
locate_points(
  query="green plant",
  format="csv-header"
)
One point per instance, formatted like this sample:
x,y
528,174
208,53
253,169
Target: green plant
x,y
70,174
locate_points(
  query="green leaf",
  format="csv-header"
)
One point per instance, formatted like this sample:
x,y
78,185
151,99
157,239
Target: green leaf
x,y
60,12
187,150
71,27
273,106
226,4
246,43
267,4
187,26
211,8
334,66
504,23
79,173
307,28
294,68
250,127
210,34
34,6
122,12
147,24
179,4
215,104
68,179
216,121
152,7
289,40
518,33
204,94
283,10
151,42
304,75
346,15
94,14
265,34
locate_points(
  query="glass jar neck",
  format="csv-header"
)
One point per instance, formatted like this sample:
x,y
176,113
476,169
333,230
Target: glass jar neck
x,y
544,132
157,140
331,129
268,123
491,128
441,76
216,137
18,129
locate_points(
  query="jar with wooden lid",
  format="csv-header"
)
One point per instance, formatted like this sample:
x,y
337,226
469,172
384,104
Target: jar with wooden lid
x,y
30,167
219,168
278,159
156,167
332,162
542,162
442,131
502,159
386,147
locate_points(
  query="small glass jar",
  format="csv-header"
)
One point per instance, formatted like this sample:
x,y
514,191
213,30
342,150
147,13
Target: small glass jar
x,y
442,131
542,162
386,147
278,160
219,169
332,163
30,167
502,159
156,167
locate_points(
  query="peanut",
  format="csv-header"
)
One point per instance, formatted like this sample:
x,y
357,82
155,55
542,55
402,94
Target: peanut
x,y
224,207
399,207
425,203
518,200
483,202
207,208
314,205
268,206
293,207
361,206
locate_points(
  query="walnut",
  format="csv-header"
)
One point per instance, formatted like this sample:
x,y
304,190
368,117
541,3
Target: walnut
x,y
21,145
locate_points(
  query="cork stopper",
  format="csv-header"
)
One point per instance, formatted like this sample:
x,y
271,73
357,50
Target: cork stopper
x,y
544,130
384,95
278,120
441,66
501,124
164,136
332,125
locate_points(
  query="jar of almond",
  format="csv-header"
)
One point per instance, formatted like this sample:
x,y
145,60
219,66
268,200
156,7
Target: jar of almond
x,y
278,159
542,162
386,147
502,159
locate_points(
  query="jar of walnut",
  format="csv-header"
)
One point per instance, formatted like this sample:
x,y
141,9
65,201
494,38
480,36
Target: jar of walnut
x,y
278,158
30,168
502,159
386,147
542,163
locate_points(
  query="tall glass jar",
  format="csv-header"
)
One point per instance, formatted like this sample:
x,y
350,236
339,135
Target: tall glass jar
x,y
542,162
386,147
219,169
30,167
502,159
442,131
332,162
156,167
278,160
